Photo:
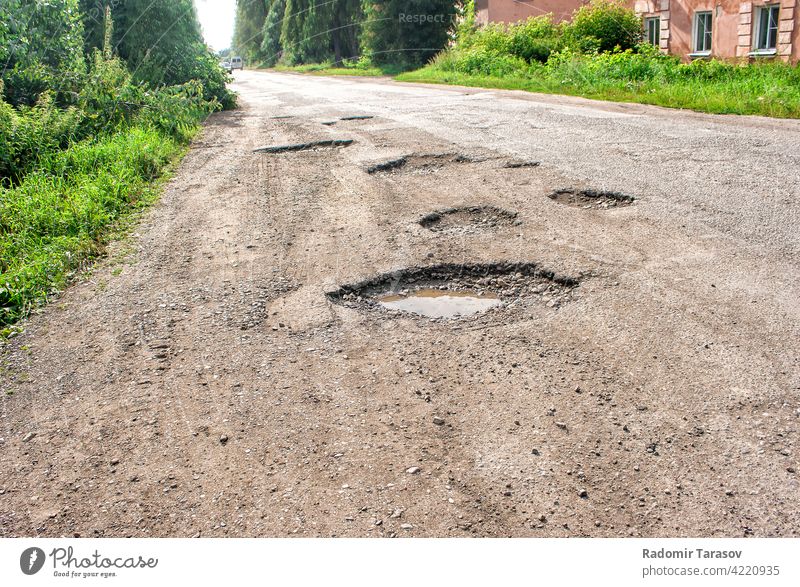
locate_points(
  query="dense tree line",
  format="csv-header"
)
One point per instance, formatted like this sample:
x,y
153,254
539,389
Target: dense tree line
x,y
404,32
47,45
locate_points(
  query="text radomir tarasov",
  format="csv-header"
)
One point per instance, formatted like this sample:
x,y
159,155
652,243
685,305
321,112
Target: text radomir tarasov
x,y
689,553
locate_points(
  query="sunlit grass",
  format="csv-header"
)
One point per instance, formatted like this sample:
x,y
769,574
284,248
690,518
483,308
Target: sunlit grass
x,y
63,212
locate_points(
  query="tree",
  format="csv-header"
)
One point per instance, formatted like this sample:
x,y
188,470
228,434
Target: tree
x,y
408,32
271,32
292,30
345,22
92,16
248,33
162,43
313,30
42,49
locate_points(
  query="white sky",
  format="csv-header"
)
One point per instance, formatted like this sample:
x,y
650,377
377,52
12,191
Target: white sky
x,y
216,18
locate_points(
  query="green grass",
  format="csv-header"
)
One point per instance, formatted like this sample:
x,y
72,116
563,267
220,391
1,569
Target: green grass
x,y
767,88
62,213
358,69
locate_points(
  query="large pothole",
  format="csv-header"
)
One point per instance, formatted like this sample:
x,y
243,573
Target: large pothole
x,y
347,119
421,163
468,218
310,146
456,290
591,199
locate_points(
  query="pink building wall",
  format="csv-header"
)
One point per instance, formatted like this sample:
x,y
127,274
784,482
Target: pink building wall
x,y
733,26
513,10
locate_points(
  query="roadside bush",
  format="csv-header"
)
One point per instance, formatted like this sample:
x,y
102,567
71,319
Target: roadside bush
x,y
480,61
108,101
59,214
638,65
604,25
30,132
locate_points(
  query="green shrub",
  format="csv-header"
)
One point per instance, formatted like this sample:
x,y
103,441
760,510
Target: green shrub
x,y
480,61
31,132
59,214
604,24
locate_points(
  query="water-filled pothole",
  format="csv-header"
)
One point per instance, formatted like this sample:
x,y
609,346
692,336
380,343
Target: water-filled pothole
x,y
436,303
468,217
456,290
596,199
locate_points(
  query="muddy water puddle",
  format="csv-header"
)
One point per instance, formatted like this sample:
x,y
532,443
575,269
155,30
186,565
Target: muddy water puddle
x,y
436,303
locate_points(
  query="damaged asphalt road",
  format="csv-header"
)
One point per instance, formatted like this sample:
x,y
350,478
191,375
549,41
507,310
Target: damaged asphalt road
x,y
205,380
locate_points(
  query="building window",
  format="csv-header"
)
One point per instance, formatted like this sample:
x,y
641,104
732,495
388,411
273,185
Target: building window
x,y
702,32
652,30
767,27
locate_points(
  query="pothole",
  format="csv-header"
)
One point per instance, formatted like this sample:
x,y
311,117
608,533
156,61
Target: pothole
x,y
456,290
421,164
468,218
310,146
347,118
591,199
521,164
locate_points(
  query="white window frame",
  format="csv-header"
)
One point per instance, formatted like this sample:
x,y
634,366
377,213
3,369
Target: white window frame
x,y
708,36
656,22
765,49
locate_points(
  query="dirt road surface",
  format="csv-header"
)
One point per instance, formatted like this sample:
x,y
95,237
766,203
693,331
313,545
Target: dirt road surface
x,y
200,382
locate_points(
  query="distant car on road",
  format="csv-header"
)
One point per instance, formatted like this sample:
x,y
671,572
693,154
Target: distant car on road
x,y
226,65
237,63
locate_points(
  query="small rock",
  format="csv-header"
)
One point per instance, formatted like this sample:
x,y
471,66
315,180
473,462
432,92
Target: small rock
x,y
407,526
29,436
583,494
223,439
413,470
438,421
535,452
562,425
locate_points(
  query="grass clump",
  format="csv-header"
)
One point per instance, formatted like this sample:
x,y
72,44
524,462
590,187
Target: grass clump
x,y
361,67
58,216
